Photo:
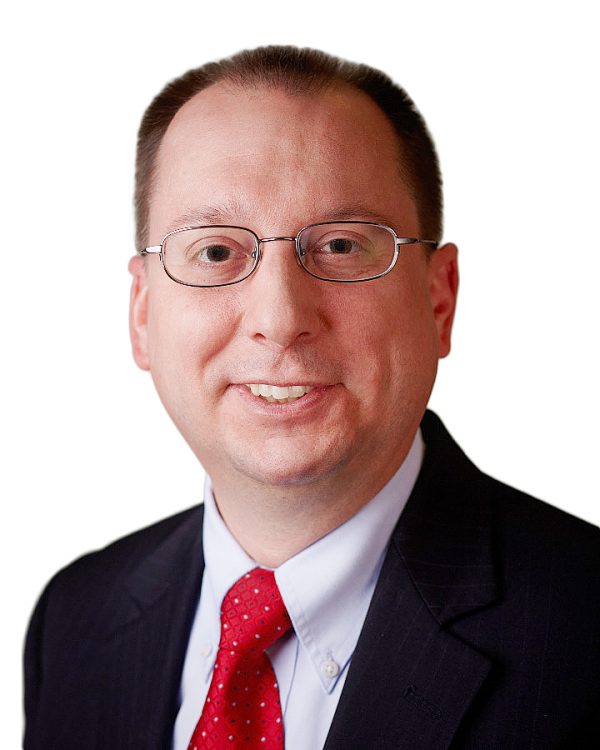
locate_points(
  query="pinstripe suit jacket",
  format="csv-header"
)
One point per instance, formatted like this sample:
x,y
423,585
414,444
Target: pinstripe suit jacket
x,y
483,631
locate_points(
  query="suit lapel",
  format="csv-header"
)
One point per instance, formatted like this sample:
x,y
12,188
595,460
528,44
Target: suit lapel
x,y
147,637
411,680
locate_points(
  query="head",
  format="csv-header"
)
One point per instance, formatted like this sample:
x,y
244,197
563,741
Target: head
x,y
298,72
273,140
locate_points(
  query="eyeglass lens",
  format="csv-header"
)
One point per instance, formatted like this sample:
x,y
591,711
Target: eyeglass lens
x,y
212,256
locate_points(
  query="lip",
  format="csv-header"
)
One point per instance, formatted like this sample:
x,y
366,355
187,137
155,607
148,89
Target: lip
x,y
284,383
309,401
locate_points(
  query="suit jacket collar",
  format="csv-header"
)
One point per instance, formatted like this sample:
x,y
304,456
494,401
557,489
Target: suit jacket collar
x,y
444,536
149,626
411,680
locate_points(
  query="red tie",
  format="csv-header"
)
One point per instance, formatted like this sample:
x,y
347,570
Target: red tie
x,y
242,709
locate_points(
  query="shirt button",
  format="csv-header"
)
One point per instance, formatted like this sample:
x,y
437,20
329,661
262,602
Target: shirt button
x,y
330,669
206,649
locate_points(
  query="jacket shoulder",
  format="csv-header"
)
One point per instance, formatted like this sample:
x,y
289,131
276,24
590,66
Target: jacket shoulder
x,y
92,578
118,558
513,514
523,514
91,599
548,551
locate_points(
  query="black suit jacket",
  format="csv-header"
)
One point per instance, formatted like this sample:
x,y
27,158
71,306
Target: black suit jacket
x,y
483,631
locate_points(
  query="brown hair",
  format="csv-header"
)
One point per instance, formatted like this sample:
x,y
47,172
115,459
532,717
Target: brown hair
x,y
298,71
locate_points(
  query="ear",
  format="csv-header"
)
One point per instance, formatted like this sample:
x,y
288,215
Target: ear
x,y
138,312
443,289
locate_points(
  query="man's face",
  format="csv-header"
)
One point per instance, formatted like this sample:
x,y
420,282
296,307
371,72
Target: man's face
x,y
274,163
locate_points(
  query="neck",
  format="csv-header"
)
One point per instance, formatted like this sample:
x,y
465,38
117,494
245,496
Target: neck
x,y
274,523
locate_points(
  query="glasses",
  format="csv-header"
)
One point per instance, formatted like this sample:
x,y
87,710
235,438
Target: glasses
x,y
342,251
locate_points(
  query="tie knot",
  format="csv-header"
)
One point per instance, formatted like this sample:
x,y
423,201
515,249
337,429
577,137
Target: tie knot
x,y
253,615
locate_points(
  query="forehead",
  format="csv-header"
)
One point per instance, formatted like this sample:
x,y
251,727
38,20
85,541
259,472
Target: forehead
x,y
287,159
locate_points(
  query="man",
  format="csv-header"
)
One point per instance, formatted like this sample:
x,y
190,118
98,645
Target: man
x,y
291,299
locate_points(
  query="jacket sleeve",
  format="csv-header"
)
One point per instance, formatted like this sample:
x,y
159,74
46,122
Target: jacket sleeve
x,y
33,668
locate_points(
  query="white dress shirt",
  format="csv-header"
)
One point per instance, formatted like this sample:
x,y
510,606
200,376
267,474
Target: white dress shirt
x,y
327,589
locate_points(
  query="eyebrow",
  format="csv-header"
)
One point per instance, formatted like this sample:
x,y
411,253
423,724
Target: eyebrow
x,y
357,212
217,214
225,214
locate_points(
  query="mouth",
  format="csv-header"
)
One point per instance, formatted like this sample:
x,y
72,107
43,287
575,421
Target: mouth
x,y
279,394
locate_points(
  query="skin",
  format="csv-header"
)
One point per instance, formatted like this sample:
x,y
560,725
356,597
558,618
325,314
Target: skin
x,y
284,476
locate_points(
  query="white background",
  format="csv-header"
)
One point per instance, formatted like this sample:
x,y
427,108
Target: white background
x,y
510,92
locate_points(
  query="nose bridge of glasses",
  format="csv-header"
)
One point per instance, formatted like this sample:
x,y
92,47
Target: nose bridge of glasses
x,y
264,240
277,239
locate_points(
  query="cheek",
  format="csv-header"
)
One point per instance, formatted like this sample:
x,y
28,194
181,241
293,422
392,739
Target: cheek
x,y
391,340
186,329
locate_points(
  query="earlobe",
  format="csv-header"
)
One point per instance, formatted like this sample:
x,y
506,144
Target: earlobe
x,y
138,312
443,290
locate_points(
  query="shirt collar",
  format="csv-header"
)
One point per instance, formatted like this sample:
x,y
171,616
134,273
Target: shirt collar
x,y
327,587
225,562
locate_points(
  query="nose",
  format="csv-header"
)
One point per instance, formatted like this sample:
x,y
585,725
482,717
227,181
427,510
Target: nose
x,y
281,301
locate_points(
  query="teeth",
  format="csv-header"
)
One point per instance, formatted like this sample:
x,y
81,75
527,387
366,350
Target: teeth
x,y
298,390
279,394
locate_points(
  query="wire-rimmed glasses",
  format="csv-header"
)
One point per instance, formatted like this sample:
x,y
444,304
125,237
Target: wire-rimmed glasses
x,y
341,251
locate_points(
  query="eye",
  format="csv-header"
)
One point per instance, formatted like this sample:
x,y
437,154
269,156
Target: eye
x,y
211,255
215,253
339,246
346,251
212,251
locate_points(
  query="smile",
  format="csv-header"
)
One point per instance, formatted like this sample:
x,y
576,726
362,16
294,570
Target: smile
x,y
279,394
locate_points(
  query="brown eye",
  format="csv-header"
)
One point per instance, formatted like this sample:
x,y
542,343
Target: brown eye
x,y
216,253
340,246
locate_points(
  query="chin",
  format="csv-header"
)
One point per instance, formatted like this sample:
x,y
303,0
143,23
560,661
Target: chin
x,y
274,472
282,476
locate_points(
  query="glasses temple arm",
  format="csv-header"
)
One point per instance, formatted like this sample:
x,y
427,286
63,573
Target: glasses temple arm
x,y
150,250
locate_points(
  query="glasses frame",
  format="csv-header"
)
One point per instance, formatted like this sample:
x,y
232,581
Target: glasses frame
x,y
259,241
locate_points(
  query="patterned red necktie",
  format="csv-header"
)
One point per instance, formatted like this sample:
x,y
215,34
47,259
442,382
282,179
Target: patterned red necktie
x,y
242,709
